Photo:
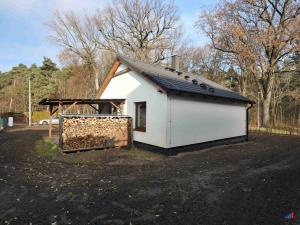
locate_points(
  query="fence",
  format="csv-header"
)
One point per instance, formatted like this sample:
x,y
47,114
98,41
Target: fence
x,y
3,122
277,130
85,132
285,118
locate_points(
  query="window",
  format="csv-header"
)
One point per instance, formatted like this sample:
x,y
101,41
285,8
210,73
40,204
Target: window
x,y
140,116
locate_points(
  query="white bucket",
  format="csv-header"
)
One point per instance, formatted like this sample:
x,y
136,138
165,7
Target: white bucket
x,y
10,121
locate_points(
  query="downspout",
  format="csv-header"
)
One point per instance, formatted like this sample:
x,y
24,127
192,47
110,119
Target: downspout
x,y
247,121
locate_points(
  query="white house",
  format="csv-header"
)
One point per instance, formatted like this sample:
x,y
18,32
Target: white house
x,y
174,110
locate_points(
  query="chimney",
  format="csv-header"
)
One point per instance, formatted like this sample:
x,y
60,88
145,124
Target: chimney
x,y
175,62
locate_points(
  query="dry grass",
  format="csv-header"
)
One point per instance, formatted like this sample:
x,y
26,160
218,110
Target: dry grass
x,y
282,131
117,156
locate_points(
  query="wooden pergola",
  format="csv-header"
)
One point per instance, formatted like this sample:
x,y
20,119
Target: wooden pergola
x,y
56,105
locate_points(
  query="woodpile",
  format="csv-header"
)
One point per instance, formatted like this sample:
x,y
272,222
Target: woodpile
x,y
95,132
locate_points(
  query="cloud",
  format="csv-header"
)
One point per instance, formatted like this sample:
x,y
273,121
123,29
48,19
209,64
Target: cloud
x,y
24,35
41,7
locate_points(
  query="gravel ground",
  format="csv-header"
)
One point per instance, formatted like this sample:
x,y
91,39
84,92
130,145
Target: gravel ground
x,y
257,182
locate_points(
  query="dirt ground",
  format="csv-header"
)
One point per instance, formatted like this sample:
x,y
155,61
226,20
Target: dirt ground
x,y
257,182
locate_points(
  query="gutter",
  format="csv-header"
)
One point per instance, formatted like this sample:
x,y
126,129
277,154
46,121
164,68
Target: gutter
x,y
247,121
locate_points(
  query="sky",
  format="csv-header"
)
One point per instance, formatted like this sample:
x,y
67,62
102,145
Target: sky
x,y
23,36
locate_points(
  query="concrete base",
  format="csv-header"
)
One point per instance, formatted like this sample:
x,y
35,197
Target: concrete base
x,y
192,147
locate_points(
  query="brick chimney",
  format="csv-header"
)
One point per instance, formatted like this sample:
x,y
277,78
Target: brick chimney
x,y
175,62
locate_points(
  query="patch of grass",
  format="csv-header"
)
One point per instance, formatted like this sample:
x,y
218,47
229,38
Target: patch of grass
x,y
46,147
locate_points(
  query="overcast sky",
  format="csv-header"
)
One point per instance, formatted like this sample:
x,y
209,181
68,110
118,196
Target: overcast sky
x,y
23,37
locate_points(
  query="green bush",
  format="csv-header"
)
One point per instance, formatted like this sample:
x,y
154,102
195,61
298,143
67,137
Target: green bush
x,y
46,147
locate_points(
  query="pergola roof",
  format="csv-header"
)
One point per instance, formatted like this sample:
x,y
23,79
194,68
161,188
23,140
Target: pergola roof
x,y
78,101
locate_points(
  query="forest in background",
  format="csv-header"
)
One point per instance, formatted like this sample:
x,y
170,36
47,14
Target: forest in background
x,y
47,81
254,49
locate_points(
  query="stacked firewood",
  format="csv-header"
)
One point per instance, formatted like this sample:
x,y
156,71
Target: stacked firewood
x,y
95,132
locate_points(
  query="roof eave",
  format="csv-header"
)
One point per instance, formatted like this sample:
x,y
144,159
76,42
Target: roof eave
x,y
224,99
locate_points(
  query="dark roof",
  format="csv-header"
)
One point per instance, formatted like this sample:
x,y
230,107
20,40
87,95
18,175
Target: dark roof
x,y
182,82
79,101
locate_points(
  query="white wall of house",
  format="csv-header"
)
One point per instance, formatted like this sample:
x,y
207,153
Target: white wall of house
x,y
192,121
135,88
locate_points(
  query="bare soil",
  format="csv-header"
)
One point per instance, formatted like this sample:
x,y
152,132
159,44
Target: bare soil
x,y
256,182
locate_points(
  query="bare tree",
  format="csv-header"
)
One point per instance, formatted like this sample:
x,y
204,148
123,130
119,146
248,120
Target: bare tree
x,y
202,60
79,38
143,29
261,34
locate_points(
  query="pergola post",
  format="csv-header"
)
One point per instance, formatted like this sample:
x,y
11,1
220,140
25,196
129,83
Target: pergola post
x,y
50,121
60,108
99,109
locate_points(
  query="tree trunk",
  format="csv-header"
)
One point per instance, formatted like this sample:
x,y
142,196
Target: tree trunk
x,y
96,73
266,104
10,104
244,90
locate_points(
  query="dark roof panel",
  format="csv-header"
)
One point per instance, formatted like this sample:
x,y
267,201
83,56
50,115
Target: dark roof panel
x,y
171,81
188,87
